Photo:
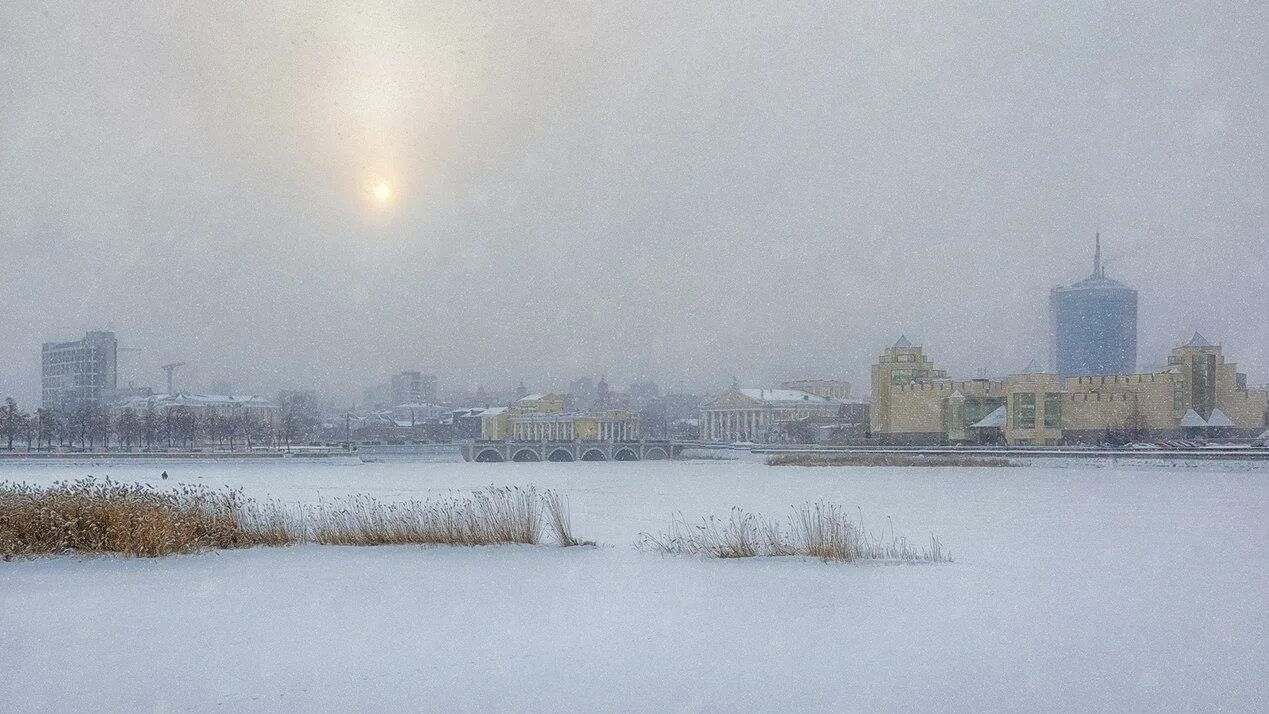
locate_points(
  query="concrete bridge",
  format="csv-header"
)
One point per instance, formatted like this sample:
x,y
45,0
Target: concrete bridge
x,y
490,451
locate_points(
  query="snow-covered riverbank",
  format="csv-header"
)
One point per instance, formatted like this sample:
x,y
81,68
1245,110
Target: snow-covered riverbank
x,y
1075,586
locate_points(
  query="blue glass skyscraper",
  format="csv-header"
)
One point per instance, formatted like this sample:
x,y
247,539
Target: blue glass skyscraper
x,y
1094,325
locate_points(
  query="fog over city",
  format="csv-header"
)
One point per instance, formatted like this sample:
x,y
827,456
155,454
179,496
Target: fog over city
x,y
321,194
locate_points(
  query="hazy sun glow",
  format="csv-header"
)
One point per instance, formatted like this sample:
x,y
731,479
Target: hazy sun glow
x,y
382,193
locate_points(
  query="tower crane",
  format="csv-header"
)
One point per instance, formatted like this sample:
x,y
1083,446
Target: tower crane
x,y
169,368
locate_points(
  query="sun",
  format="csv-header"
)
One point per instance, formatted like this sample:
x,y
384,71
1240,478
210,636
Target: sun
x,y
382,193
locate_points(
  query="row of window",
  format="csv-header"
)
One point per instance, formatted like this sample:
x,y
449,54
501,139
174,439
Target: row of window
x,y
904,376
1024,416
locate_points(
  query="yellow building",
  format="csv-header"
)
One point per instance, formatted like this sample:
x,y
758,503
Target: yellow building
x,y
541,417
539,403
495,424
610,425
1196,393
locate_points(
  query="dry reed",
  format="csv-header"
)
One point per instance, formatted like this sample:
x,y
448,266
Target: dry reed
x,y
90,516
817,530
561,520
880,458
109,517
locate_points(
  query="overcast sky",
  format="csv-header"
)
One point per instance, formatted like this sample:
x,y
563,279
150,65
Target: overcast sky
x,y
662,191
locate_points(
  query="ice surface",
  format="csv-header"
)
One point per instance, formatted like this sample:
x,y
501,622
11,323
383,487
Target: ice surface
x,y
1078,586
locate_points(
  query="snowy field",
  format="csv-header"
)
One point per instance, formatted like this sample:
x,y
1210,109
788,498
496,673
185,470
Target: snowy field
x,y
1078,586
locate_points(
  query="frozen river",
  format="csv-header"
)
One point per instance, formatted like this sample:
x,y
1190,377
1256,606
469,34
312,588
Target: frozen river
x,y
1090,585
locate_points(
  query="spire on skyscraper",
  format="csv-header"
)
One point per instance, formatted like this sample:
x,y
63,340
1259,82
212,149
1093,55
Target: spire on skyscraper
x,y
1097,256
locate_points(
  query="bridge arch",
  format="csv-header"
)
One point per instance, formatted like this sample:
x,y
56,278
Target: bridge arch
x,y
489,456
526,455
594,455
560,454
656,453
625,454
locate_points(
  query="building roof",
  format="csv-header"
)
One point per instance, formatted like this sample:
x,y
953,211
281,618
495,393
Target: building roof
x,y
1198,340
180,399
995,420
903,341
784,396
1094,282
1192,419
1218,418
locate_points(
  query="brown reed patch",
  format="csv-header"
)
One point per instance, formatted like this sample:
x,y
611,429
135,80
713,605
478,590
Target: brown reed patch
x,y
817,530
90,516
883,458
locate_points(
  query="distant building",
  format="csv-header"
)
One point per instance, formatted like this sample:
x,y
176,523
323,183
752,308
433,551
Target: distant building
x,y
376,397
640,393
830,388
542,403
1197,393
760,415
79,372
608,425
583,391
412,387
538,417
900,365
1093,325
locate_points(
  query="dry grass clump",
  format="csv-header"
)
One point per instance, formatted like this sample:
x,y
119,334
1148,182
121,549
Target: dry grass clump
x,y
135,519
882,458
561,521
496,515
818,530
89,516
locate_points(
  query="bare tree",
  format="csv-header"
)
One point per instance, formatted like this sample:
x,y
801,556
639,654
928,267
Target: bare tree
x,y
26,428
81,424
149,425
45,427
9,420
100,415
127,425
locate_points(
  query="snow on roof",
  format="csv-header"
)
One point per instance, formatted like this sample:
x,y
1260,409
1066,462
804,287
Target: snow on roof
x,y
1263,435
1095,281
784,395
199,400
1198,340
1218,418
1192,419
995,420
493,411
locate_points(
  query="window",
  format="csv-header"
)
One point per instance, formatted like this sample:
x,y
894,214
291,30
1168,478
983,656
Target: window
x,y
1052,411
901,376
1173,359
1178,395
1024,410
955,418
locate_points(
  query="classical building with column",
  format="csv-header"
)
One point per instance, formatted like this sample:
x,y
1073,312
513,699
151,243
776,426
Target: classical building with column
x,y
760,415
610,425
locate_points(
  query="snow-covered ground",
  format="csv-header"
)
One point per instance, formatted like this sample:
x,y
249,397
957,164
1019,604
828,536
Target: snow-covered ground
x,y
1076,586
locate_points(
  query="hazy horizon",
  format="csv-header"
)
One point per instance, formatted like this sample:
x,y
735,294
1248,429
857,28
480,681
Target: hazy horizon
x,y
684,194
